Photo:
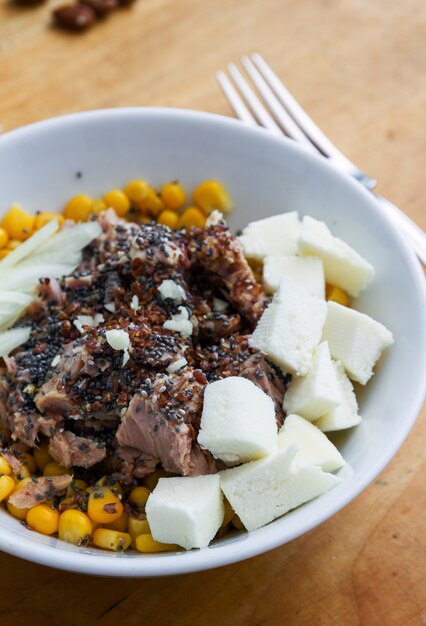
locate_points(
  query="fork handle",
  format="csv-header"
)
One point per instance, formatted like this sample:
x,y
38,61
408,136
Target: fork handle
x,y
414,233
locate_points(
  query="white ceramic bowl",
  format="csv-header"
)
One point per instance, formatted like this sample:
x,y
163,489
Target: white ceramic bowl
x,y
42,165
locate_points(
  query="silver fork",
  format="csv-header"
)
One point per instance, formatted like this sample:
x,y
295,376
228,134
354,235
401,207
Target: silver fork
x,y
284,115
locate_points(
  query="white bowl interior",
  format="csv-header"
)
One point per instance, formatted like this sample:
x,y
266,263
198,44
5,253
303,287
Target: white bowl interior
x,y
41,166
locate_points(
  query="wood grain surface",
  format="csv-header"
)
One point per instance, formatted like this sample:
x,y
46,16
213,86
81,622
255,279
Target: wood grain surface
x,y
359,68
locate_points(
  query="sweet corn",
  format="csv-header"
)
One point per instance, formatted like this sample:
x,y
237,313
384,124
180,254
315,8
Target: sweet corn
x,y
23,472
168,218
117,200
41,219
111,539
139,496
5,468
54,469
79,208
76,486
137,526
113,484
173,195
7,485
146,543
151,480
4,252
192,217
210,195
136,191
335,294
29,461
151,204
18,223
74,527
42,457
4,237
103,506
229,514
20,514
43,518
12,244
98,206
237,523
121,524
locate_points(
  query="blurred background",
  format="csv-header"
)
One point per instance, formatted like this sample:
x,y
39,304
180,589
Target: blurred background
x,y
358,68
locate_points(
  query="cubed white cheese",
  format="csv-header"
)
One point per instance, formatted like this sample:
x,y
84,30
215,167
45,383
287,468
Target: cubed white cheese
x,y
346,414
261,491
317,393
355,339
273,235
180,323
170,290
314,448
307,271
290,328
342,265
186,511
238,421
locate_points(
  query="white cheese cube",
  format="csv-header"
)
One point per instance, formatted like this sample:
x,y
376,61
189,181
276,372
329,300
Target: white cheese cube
x,y
307,271
314,448
346,414
317,393
342,265
187,511
355,339
273,235
238,421
290,328
261,491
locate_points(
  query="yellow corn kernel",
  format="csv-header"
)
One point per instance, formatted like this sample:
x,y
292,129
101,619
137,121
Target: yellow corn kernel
x,y
79,208
54,469
137,526
12,244
151,480
237,523
146,543
74,527
113,484
211,195
28,460
98,206
42,457
7,485
335,294
136,191
103,506
23,472
139,496
18,223
168,218
151,204
4,238
117,200
229,514
76,486
41,219
4,252
20,514
44,519
121,524
4,466
192,217
111,539
173,195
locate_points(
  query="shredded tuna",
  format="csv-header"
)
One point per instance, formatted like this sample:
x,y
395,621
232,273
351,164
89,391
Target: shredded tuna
x,y
39,490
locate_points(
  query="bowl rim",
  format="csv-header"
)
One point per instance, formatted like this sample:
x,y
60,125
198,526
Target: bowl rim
x,y
122,565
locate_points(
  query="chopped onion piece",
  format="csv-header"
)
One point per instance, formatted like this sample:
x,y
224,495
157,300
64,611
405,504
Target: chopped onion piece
x,y
11,339
27,278
176,365
30,245
119,339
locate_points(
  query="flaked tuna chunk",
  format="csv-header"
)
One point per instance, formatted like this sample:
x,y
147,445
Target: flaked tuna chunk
x,y
157,245
39,490
25,427
156,426
69,450
132,463
13,461
51,291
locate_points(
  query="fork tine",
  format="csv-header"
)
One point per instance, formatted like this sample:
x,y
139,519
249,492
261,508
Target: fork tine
x,y
240,109
290,128
253,101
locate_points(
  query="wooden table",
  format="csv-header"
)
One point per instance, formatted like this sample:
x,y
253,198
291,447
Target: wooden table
x,y
358,67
